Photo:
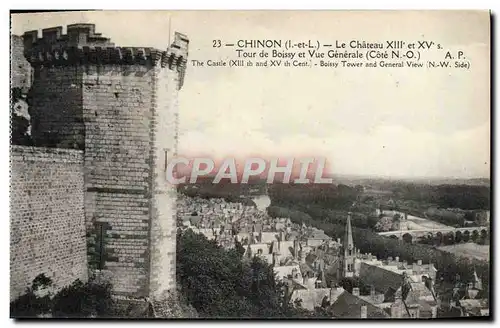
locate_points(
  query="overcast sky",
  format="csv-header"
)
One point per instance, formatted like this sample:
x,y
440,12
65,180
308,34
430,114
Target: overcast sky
x,y
392,122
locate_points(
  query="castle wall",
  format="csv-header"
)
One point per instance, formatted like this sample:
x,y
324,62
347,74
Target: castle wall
x,y
47,223
167,82
120,106
118,115
56,110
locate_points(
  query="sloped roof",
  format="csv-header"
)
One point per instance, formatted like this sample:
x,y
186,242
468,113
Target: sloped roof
x,y
297,285
290,261
286,248
306,269
293,234
376,299
255,248
418,293
267,257
284,271
421,291
268,237
331,259
317,234
381,279
194,219
470,304
312,298
310,258
257,227
242,235
216,223
349,306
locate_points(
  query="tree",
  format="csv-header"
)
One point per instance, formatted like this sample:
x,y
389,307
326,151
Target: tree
x,y
31,304
219,283
79,300
384,224
19,119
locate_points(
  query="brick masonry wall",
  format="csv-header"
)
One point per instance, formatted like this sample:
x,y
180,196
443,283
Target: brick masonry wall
x,y
120,106
19,66
127,115
56,111
47,224
164,209
117,106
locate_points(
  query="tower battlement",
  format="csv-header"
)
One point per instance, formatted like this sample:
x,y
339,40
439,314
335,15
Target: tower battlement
x,y
53,38
81,46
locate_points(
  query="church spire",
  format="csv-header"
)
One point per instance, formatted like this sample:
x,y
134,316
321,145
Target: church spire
x,y
348,243
477,281
348,258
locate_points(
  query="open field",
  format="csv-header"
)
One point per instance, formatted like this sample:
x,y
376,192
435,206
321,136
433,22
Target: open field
x,y
416,223
470,250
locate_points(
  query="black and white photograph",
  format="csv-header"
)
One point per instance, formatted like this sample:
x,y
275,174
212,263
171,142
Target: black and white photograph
x,y
250,165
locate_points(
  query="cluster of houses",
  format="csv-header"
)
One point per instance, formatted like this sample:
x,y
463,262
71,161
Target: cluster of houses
x,y
469,298
314,267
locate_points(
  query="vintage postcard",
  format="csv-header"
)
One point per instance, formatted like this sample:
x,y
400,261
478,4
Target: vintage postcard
x,y
250,164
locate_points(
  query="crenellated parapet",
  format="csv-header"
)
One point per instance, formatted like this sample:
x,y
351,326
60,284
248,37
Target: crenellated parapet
x,y
178,51
78,35
81,46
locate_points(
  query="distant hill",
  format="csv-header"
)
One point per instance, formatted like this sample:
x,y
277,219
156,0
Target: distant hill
x,y
205,188
376,180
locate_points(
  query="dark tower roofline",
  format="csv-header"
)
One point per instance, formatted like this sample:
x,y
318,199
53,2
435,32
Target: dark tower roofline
x,y
348,241
348,256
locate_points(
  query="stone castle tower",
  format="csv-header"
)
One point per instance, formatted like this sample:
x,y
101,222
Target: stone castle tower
x,y
118,105
348,256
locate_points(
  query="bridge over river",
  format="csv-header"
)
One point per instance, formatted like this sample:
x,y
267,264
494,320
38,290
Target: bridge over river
x,y
465,234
